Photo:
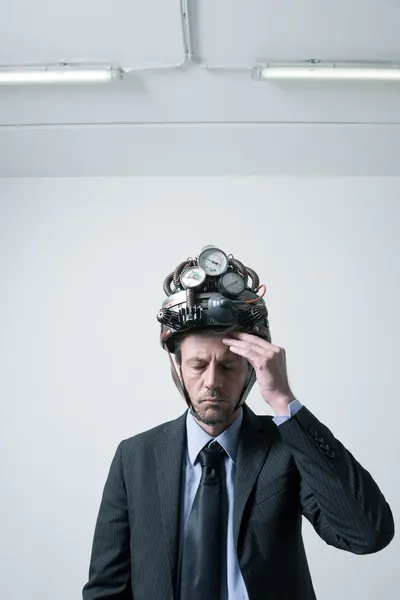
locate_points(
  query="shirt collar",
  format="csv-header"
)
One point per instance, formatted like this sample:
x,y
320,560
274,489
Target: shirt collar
x,y
197,438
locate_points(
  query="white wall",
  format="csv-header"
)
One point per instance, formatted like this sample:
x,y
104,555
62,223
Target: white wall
x,y
82,266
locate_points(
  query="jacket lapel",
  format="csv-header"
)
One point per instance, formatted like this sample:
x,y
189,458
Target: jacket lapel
x,y
169,454
252,452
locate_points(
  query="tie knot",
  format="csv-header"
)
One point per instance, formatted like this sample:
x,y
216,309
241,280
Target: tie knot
x,y
216,446
212,455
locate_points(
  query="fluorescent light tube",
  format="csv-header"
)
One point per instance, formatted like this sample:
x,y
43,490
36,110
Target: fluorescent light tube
x,y
62,74
316,72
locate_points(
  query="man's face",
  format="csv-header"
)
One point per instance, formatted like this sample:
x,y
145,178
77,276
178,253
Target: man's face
x,y
214,377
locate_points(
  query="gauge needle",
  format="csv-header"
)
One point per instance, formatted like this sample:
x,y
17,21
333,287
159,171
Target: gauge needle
x,y
212,261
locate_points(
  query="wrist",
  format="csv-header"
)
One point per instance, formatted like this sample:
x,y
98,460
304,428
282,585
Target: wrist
x,y
281,405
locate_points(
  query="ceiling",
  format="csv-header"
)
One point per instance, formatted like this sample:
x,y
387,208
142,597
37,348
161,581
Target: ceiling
x,y
206,115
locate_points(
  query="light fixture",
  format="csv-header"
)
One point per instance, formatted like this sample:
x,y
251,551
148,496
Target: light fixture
x,y
61,73
318,70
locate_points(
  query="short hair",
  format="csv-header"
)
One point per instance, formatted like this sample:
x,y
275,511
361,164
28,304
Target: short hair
x,y
212,330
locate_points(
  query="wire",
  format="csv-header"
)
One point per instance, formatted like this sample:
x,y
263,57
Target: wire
x,y
258,297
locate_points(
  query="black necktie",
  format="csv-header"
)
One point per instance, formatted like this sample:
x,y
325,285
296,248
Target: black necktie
x,y
203,549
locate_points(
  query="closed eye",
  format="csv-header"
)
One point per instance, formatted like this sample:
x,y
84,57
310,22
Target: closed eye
x,y
225,367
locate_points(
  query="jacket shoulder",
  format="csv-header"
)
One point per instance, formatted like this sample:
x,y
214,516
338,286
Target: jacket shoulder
x,y
154,434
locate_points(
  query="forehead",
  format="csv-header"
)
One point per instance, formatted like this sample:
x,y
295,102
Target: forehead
x,y
206,345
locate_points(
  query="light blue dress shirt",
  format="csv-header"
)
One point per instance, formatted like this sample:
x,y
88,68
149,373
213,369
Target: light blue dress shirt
x,y
197,438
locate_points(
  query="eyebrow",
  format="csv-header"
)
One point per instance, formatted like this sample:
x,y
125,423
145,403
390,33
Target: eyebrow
x,y
198,359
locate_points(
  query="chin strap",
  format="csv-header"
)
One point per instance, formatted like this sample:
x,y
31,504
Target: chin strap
x,y
176,378
251,379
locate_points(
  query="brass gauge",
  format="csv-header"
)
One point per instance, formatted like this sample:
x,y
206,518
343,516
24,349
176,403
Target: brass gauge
x,y
231,284
213,260
192,277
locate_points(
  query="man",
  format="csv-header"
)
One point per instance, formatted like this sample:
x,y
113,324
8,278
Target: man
x,y
209,506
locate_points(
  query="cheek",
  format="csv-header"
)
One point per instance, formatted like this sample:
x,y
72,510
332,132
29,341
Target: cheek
x,y
191,380
238,379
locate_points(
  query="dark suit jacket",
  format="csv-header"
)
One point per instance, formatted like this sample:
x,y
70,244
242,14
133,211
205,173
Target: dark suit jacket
x,y
282,473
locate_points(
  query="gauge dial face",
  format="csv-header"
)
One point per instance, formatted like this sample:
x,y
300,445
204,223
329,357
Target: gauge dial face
x,y
193,277
233,283
213,261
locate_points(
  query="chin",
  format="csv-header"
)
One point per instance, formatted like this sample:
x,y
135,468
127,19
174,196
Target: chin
x,y
213,415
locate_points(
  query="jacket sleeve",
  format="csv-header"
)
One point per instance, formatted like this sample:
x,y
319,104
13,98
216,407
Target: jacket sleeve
x,y
110,563
338,496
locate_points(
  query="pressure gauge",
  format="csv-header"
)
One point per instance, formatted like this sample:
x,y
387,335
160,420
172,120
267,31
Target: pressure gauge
x,y
193,277
213,260
231,284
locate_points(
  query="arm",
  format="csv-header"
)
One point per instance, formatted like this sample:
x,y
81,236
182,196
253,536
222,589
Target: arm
x,y
110,563
338,496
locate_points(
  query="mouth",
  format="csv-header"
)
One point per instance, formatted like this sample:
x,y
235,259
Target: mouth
x,y
213,400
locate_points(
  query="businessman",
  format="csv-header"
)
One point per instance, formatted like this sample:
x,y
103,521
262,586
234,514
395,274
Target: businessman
x,y
209,506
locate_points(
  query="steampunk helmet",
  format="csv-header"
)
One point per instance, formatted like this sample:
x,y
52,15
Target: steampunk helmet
x,y
211,291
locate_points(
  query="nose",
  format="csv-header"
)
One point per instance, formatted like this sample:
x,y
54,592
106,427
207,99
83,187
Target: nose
x,y
213,379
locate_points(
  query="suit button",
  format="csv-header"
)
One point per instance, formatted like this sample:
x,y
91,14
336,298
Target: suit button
x,y
319,440
314,432
330,453
324,446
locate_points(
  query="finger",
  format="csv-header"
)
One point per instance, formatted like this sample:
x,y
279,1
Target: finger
x,y
266,350
246,353
235,343
253,339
